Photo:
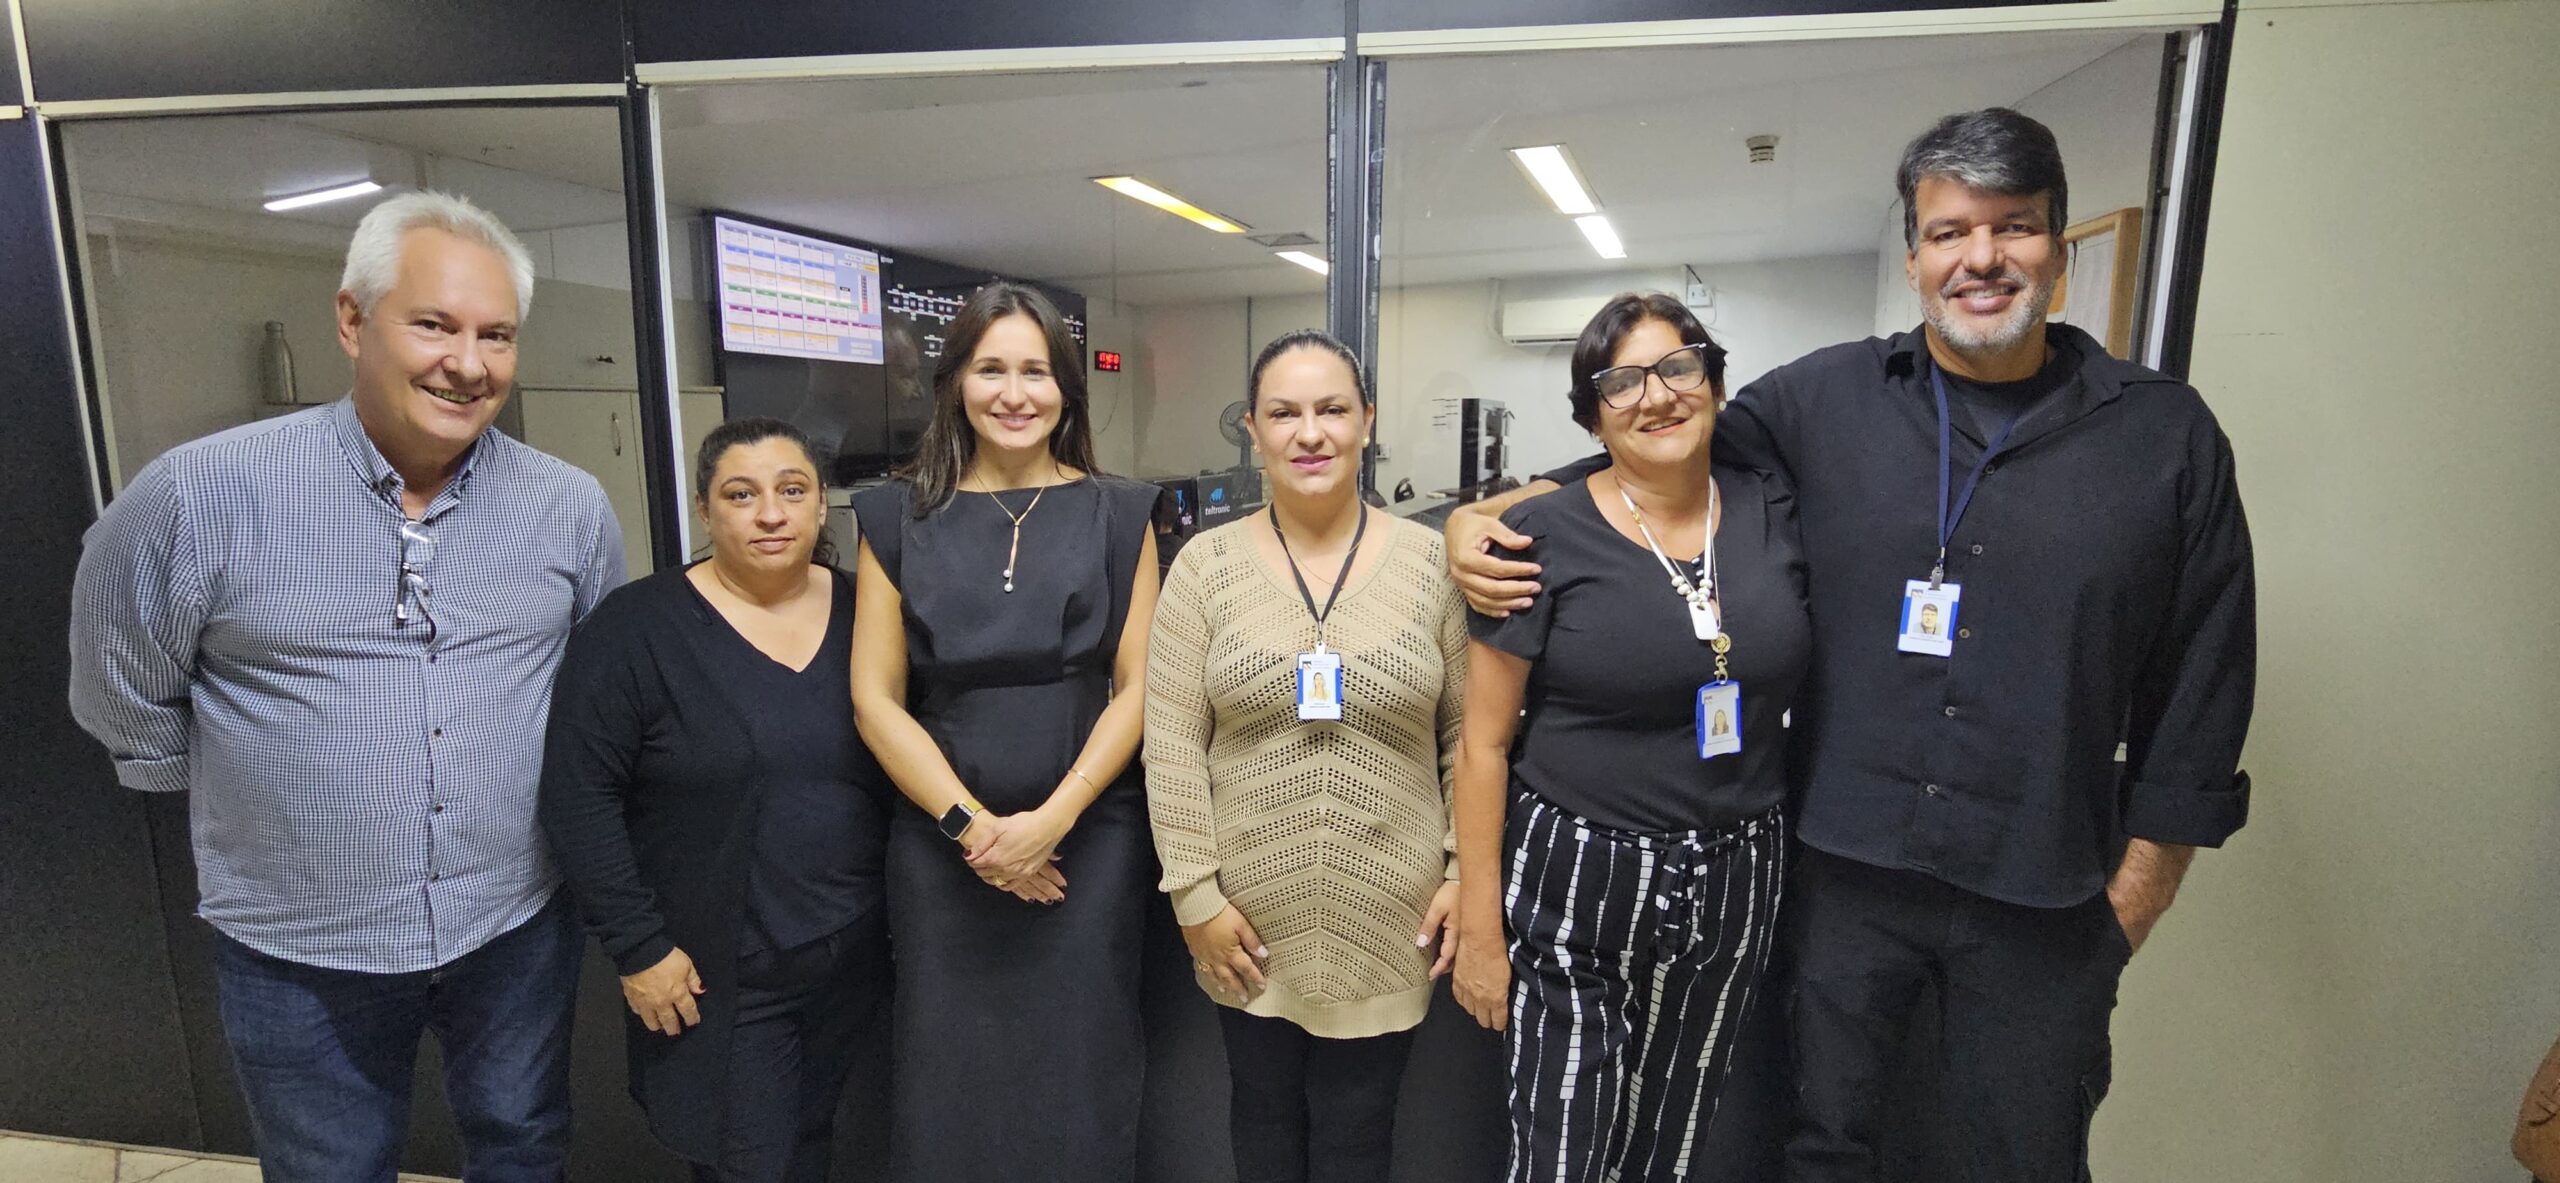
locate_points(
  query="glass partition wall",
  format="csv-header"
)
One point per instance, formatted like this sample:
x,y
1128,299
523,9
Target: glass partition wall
x,y
821,233
211,250
1753,181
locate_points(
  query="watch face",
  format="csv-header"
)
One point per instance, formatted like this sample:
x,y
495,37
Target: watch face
x,y
955,822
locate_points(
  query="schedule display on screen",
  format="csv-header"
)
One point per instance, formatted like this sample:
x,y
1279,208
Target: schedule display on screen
x,y
791,295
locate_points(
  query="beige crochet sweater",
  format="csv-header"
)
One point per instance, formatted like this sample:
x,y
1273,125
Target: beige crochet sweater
x,y
1330,837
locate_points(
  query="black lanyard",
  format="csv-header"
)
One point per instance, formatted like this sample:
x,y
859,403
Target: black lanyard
x,y
1947,522
1338,580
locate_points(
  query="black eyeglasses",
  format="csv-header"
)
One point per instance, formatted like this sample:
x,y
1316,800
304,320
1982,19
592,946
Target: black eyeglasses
x,y
417,549
1681,370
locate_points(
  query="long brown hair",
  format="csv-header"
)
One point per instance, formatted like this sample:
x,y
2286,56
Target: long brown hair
x,y
950,445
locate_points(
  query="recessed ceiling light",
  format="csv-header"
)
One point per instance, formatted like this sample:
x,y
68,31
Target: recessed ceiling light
x,y
1310,262
1133,187
322,196
1552,171
1603,236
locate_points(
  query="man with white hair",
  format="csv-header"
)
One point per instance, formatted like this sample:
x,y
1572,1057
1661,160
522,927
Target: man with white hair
x,y
337,630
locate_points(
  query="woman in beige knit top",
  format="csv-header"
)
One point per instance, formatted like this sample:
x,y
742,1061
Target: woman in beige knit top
x,y
1303,676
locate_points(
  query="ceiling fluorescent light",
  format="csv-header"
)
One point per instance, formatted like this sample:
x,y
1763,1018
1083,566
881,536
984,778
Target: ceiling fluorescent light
x,y
1603,236
1133,187
1310,262
322,196
1552,171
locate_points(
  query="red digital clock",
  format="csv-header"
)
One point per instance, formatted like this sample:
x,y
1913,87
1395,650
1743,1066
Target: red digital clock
x,y
1106,361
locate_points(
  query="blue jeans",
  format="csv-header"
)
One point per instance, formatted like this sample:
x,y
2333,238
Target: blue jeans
x,y
325,1056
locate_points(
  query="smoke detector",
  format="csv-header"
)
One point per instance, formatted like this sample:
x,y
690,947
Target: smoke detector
x,y
1764,149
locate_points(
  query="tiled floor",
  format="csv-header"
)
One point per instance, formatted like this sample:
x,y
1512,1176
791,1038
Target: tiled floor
x,y
25,1158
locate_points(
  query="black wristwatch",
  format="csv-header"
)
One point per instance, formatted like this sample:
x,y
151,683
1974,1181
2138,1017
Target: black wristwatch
x,y
955,820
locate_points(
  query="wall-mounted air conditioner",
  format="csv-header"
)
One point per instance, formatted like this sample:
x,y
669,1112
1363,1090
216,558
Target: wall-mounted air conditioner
x,y
1552,310
1546,320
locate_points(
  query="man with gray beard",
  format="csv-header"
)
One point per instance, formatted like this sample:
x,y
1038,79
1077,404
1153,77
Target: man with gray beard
x,y
2024,557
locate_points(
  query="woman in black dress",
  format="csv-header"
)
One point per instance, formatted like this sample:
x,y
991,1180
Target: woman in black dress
x,y
1624,832
999,675
720,824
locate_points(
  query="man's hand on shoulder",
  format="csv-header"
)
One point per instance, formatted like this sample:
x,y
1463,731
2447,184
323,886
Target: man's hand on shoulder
x,y
1494,585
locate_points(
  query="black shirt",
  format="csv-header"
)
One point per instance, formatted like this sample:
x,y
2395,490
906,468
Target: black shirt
x,y
676,753
1991,406
817,861
2108,598
1610,726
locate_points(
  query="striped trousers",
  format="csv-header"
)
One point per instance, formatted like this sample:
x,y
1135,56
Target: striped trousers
x,y
1634,958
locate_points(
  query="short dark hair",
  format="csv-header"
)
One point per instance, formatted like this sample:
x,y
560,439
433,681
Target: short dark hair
x,y
1304,339
1598,347
950,444
1995,150
738,433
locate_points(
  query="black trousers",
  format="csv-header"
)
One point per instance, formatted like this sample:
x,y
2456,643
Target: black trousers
x,y
2025,996
799,1012
1306,1109
1635,959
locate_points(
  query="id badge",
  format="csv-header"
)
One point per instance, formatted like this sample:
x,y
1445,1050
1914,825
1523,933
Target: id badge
x,y
1319,686
1929,618
1719,719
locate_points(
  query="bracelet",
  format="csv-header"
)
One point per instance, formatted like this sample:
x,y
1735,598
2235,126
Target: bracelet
x,y
1078,773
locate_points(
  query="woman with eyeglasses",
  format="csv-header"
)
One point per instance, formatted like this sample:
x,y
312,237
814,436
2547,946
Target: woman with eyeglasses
x,y
1628,845
999,672
1302,715
721,826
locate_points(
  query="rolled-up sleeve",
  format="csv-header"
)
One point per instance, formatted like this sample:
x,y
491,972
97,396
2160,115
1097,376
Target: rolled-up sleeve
x,y
137,606
1523,633
2191,706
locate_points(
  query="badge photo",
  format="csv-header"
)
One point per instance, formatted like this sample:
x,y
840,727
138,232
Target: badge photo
x,y
1719,719
1929,618
1319,686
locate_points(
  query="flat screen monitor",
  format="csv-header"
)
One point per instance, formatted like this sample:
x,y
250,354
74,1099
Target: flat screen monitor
x,y
859,384
1222,496
784,293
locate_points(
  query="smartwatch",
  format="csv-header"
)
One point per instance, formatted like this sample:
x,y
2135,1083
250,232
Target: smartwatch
x,y
955,820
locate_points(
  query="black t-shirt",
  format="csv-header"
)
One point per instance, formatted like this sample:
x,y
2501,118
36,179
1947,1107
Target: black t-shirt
x,y
819,843
1610,730
1989,406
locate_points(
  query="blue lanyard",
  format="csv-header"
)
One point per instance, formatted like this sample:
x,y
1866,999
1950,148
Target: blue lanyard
x,y
1947,522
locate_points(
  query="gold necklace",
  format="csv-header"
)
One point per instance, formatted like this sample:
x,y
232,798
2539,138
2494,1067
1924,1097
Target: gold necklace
x,y
1013,550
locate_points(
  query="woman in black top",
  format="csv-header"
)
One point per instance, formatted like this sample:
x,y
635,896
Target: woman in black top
x,y
999,674
1626,831
720,823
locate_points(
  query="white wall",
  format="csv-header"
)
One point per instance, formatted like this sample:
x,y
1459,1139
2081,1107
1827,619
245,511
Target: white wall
x,y
1189,362
2358,987
1118,400
2102,115
1438,344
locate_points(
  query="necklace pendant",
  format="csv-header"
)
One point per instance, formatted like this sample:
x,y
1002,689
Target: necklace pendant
x,y
1008,585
